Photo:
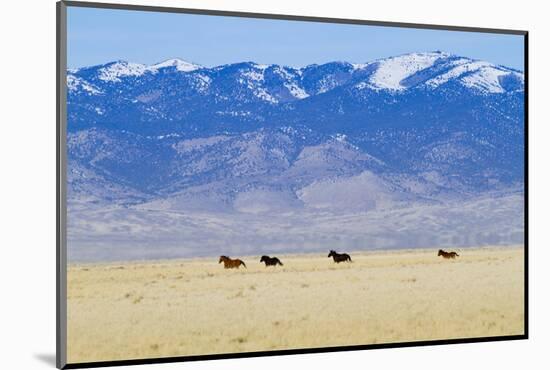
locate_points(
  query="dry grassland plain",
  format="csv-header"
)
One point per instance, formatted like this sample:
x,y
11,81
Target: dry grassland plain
x,y
154,309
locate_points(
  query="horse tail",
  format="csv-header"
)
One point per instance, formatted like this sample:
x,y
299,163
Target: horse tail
x,y
242,263
280,263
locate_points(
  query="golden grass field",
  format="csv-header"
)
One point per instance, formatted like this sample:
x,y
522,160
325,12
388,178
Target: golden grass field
x,y
192,307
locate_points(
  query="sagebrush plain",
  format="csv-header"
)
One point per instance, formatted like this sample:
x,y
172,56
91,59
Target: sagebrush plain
x,y
136,310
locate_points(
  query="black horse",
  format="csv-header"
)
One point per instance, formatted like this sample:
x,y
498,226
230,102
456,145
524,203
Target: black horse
x,y
447,255
271,261
339,257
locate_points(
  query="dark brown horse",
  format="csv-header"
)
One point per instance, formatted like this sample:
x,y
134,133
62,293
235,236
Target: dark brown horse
x,y
229,263
339,257
271,261
447,255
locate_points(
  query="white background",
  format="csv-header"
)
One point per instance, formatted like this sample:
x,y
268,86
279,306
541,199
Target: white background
x,y
27,155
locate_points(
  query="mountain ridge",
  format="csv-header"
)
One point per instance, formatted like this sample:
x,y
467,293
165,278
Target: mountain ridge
x,y
409,64
178,145
398,102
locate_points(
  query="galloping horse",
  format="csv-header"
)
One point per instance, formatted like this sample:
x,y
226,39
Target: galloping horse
x,y
270,261
339,257
229,263
447,255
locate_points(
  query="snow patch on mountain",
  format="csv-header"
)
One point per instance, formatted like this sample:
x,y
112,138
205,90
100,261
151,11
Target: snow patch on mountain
x,y
74,84
202,82
391,71
254,79
263,67
234,113
360,66
179,64
479,75
327,83
254,75
296,91
264,95
459,67
112,72
291,82
361,85
486,79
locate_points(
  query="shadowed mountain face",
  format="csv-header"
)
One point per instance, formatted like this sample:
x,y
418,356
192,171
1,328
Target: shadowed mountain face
x,y
417,130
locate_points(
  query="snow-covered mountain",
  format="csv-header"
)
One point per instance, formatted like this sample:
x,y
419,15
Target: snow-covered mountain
x,y
415,130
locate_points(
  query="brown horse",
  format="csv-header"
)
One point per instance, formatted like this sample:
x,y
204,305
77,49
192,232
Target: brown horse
x,y
229,263
447,255
339,257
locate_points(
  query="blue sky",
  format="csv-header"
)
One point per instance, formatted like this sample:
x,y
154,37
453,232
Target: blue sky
x,y
96,36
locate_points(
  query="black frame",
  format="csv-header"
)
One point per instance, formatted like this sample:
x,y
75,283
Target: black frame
x,y
61,210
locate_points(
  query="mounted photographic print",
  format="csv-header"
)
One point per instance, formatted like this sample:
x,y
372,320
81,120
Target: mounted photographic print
x,y
235,184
